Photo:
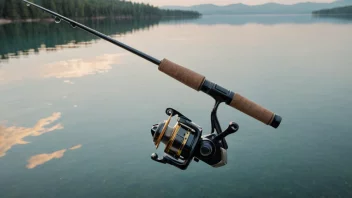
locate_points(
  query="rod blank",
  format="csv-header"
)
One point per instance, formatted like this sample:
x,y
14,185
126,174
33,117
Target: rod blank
x,y
99,34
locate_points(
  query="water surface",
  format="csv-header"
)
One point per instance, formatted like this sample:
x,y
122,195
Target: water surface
x,y
62,88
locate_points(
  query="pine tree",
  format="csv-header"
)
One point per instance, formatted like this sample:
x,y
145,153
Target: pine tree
x,y
2,3
15,9
24,11
10,9
70,8
59,4
50,4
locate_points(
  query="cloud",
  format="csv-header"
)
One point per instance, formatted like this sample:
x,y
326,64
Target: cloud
x,y
40,159
10,136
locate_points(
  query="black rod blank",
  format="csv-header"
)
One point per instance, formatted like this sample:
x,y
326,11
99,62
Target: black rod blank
x,y
99,34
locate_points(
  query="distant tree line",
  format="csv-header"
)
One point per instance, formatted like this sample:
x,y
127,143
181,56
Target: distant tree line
x,y
346,10
17,9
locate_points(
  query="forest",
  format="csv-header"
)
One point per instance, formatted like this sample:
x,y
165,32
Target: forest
x,y
17,9
346,10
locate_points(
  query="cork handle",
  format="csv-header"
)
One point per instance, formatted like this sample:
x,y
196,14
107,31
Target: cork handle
x,y
252,109
182,74
196,81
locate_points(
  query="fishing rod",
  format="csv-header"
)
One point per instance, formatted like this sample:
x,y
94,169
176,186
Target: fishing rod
x,y
184,142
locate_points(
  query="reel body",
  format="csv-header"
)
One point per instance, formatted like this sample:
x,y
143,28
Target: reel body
x,y
184,142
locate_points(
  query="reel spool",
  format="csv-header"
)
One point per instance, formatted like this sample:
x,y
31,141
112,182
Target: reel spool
x,y
184,142
180,141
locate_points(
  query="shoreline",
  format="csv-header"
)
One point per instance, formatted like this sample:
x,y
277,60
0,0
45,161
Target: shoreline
x,y
7,21
127,17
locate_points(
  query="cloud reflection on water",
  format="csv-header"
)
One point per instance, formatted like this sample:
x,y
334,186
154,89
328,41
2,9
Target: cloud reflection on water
x,y
40,159
76,68
10,136
65,69
37,160
76,147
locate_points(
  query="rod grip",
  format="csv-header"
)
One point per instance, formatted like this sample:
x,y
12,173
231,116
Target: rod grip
x,y
254,110
198,82
182,74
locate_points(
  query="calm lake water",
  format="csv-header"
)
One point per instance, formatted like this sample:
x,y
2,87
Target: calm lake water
x,y
62,88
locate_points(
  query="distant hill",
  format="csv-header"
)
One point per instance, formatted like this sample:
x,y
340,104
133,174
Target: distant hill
x,y
346,10
268,8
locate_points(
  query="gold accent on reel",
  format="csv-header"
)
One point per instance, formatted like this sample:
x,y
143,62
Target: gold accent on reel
x,y
157,143
183,143
173,136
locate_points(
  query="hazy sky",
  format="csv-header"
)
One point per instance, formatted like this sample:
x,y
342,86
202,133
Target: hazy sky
x,y
222,2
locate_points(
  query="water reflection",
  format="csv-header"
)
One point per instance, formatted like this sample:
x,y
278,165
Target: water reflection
x,y
40,159
342,17
67,69
13,135
310,62
43,48
69,82
37,160
76,147
264,19
23,39
76,68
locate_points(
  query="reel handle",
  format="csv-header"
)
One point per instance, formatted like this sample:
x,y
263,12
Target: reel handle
x,y
198,82
232,128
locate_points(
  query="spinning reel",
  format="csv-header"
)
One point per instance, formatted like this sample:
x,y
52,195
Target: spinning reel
x,y
184,142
